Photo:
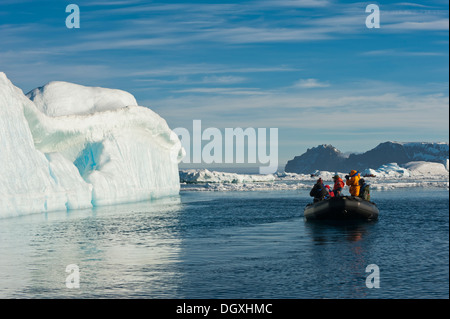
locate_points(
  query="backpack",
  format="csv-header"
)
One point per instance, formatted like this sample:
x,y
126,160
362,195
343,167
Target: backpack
x,y
365,192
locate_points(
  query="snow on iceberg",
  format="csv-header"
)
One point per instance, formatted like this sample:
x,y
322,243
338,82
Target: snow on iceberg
x,y
62,98
205,180
206,176
391,170
426,169
75,147
417,170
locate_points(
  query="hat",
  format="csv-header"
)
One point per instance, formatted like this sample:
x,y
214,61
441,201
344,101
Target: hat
x,y
319,180
336,176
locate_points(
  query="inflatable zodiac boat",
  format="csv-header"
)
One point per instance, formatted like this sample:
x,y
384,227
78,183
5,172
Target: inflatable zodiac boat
x,y
342,208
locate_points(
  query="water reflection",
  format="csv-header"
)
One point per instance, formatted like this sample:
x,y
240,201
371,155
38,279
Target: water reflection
x,y
125,250
326,232
343,250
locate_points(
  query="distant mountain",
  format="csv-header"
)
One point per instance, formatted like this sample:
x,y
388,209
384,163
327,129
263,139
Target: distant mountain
x,y
328,158
323,157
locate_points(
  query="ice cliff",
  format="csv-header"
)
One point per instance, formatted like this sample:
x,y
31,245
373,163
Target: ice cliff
x,y
67,146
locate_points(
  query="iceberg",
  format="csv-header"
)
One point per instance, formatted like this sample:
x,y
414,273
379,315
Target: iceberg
x,y
206,176
387,176
65,146
390,170
59,98
415,170
206,180
427,169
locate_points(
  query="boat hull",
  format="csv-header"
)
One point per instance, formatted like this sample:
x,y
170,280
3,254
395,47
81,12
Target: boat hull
x,y
342,208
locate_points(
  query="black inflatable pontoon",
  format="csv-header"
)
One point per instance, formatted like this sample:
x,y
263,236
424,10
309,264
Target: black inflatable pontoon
x,y
342,208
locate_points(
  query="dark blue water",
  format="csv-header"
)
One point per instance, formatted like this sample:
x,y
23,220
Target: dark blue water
x,y
230,245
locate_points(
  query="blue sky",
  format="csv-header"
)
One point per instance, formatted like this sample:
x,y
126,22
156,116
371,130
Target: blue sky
x,y
310,68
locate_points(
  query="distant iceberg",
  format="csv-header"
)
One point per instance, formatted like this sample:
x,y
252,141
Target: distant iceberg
x,y
205,176
416,169
68,146
387,176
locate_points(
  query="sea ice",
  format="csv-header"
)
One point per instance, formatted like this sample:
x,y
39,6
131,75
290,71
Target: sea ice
x,y
387,176
206,176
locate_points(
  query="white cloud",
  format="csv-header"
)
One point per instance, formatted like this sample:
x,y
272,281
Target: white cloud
x,y
248,23
226,79
310,84
296,3
112,3
392,52
227,91
192,69
436,25
374,106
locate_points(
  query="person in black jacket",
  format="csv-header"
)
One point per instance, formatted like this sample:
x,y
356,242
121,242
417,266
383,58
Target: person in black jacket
x,y
319,192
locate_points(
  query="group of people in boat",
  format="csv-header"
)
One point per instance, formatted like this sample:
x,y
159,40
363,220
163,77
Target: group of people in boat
x,y
357,187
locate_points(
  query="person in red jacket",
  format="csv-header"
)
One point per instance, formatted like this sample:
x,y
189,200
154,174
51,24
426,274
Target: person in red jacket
x,y
338,185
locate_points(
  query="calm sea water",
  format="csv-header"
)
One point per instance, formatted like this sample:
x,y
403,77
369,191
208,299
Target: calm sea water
x,y
230,245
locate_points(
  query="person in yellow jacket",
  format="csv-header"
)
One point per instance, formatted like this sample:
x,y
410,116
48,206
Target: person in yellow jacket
x,y
352,181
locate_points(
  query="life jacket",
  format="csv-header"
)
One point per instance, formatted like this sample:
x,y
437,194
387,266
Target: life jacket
x,y
330,193
338,184
353,183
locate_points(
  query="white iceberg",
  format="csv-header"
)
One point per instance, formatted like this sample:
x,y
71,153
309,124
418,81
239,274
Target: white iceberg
x,y
206,180
388,176
62,98
206,176
410,170
391,170
75,147
427,169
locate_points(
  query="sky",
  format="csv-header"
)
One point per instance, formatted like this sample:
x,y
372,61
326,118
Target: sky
x,y
312,68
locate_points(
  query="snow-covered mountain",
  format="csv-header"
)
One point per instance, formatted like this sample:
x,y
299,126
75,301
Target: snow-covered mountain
x,y
328,158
